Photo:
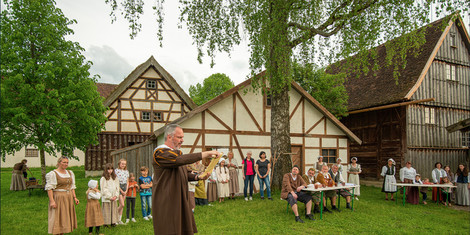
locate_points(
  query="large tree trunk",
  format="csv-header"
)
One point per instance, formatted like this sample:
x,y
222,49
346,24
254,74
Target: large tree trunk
x,y
43,165
278,71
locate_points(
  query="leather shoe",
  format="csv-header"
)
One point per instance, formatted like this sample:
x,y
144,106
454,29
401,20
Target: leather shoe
x,y
298,219
310,217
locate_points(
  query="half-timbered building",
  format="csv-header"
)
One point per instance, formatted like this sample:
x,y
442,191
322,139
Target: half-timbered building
x,y
147,99
239,121
404,117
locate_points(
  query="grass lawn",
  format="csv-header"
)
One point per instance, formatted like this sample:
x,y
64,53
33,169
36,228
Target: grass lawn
x,y
22,214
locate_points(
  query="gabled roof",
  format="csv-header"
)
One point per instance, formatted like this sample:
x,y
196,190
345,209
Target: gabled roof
x,y
230,92
380,87
134,75
105,89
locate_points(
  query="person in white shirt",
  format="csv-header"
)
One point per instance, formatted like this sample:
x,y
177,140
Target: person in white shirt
x,y
437,178
408,175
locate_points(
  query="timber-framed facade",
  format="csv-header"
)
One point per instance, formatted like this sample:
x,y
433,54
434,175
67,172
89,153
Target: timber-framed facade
x,y
147,99
239,121
405,118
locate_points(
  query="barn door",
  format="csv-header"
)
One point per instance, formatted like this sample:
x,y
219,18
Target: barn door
x,y
297,158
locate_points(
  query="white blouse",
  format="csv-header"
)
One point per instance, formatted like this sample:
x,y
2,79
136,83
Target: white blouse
x,y
94,195
109,188
406,173
51,179
221,174
437,174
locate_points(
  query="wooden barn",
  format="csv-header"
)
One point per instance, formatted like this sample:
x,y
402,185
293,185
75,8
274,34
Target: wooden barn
x,y
147,99
239,120
404,118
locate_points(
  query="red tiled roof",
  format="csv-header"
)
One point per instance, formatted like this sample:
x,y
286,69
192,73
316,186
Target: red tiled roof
x,y
105,88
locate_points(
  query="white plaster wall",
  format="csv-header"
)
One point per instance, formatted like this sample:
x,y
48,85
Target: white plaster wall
x,y
11,160
224,111
329,142
331,129
111,126
150,73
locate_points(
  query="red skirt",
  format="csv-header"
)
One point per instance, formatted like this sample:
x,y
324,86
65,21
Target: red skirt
x,y
435,191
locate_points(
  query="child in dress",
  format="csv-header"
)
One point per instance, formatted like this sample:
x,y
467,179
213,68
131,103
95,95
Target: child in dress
x,y
145,183
132,188
93,214
447,191
109,194
424,190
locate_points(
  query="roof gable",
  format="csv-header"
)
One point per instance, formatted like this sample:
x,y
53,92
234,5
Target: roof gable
x,y
142,69
380,87
240,86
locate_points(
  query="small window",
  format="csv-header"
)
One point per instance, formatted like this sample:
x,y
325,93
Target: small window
x,y
429,116
268,100
151,84
329,155
466,139
31,152
158,116
451,72
146,116
453,40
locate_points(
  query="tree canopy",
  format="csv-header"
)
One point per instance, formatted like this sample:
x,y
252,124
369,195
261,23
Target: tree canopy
x,y
212,86
48,98
327,89
314,31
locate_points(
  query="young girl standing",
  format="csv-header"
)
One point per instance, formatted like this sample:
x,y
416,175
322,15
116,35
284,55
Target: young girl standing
x,y
223,177
123,175
93,213
132,187
109,194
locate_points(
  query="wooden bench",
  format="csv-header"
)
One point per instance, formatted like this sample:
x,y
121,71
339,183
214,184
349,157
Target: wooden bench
x,y
31,187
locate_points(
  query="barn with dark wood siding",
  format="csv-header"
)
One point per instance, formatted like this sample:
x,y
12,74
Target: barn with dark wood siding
x,y
404,117
147,99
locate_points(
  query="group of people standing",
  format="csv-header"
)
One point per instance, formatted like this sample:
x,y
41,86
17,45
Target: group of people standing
x,y
440,175
116,186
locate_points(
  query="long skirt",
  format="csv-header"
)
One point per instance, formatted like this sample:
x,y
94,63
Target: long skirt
x,y
62,219
212,192
412,193
435,191
353,178
93,213
387,186
462,197
223,190
233,182
192,200
110,215
17,181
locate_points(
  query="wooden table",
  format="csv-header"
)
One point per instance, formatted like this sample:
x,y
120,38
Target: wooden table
x,y
31,187
403,185
310,188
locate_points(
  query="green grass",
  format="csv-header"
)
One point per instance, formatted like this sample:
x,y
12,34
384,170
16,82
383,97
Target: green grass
x,y
22,214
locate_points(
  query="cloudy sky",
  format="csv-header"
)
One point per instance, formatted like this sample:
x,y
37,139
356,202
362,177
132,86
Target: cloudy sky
x,y
115,55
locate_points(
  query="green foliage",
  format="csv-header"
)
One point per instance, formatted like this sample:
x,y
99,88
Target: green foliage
x,y
325,88
371,215
212,86
48,98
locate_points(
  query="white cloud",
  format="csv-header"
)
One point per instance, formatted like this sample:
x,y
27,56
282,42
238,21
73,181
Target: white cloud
x,y
108,64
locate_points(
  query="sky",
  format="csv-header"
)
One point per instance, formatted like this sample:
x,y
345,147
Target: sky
x,y
115,55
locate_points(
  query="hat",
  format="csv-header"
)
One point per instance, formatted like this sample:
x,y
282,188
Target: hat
x,y
320,157
221,159
354,158
92,184
391,159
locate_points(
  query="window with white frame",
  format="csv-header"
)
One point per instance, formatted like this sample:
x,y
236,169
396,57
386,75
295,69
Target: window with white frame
x,y
466,139
145,116
429,116
158,116
451,73
453,40
151,84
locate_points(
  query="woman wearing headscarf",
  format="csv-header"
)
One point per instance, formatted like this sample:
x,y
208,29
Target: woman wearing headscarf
x,y
388,172
408,176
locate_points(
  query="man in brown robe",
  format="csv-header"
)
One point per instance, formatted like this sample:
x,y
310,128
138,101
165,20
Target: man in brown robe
x,y
170,203
292,184
326,180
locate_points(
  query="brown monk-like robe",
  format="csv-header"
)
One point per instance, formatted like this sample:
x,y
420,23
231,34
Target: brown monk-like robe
x,y
171,210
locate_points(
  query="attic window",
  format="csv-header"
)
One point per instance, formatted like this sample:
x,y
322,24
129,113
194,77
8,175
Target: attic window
x,y
145,116
158,116
268,100
429,116
453,40
151,84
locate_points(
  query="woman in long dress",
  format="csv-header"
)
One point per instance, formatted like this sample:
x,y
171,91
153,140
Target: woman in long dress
x,y
438,175
212,187
60,187
223,177
17,176
388,172
109,184
233,173
354,170
463,186
408,176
